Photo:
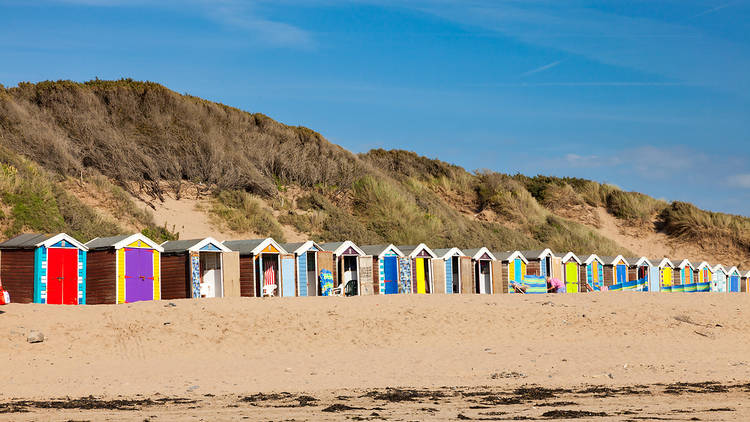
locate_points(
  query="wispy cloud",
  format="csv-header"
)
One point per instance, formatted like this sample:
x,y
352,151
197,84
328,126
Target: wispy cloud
x,y
739,181
542,68
714,9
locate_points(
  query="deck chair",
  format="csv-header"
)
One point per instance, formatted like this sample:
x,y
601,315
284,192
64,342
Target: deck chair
x,y
347,289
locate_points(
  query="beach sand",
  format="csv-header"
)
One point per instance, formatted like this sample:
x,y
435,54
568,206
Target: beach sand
x,y
608,356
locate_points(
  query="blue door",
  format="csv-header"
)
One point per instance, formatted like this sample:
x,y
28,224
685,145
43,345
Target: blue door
x,y
390,268
449,276
622,274
517,266
734,284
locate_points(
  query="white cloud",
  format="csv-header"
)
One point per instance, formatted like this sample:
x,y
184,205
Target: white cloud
x,y
542,68
739,181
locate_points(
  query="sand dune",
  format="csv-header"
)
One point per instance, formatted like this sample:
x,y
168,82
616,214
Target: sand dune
x,y
317,345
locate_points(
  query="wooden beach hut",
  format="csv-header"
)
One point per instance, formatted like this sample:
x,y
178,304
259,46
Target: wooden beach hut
x,y
423,274
260,266
123,269
639,268
394,269
450,260
302,271
197,268
745,286
684,275
734,280
571,273
592,273
703,273
539,262
615,270
44,268
513,267
719,280
482,260
346,262
665,272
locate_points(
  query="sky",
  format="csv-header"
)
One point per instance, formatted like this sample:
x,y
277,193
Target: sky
x,y
651,96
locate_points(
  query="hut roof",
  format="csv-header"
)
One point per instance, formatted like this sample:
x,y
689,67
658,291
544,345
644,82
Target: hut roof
x,y
445,253
476,253
339,247
298,248
121,241
252,246
593,257
662,262
508,256
413,251
35,240
720,268
570,255
192,245
537,253
380,250
638,262
612,260
683,263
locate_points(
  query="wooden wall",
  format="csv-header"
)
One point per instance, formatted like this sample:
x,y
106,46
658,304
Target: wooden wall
x,y
17,274
609,275
175,277
583,279
534,267
247,276
497,278
101,277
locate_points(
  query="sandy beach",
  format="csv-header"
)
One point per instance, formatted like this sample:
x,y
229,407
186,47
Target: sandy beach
x,y
616,356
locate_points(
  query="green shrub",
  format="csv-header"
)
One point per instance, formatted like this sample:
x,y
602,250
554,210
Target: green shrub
x,y
240,212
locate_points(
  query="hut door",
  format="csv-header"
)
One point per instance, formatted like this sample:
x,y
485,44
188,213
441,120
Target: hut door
x,y
467,275
622,274
456,275
485,284
139,275
211,278
350,270
421,280
390,271
667,275
654,283
312,286
571,277
62,276
734,284
288,286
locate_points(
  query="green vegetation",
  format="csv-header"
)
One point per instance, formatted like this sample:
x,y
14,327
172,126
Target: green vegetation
x,y
141,134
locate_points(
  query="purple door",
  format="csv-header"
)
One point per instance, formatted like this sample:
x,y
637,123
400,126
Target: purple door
x,y
139,275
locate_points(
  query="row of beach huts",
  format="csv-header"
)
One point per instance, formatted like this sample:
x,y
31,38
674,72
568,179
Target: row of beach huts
x,y
58,269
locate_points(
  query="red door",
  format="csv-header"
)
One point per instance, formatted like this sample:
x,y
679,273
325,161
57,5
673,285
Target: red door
x,y
62,276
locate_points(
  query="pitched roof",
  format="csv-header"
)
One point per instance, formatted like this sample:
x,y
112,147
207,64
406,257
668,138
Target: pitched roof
x,y
192,245
662,262
638,262
413,251
570,255
476,253
298,248
612,260
25,241
506,256
380,250
593,257
537,253
121,241
252,246
448,252
339,247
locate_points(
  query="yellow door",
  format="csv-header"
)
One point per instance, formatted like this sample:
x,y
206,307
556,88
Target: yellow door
x,y
421,285
667,276
571,277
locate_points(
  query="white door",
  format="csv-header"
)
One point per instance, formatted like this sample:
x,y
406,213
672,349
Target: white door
x,y
485,285
211,279
350,269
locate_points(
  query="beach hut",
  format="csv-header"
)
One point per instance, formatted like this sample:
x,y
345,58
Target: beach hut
x,y
615,270
450,261
639,268
421,257
394,269
665,272
734,279
703,273
719,280
303,271
571,273
592,273
684,276
745,286
260,266
44,268
123,269
346,262
539,262
513,267
482,260
196,268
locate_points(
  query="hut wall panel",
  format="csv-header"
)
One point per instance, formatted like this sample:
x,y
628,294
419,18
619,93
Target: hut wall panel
x,y
467,275
497,278
368,279
17,274
632,273
175,277
583,278
230,263
438,268
247,276
505,286
609,275
325,262
101,277
534,267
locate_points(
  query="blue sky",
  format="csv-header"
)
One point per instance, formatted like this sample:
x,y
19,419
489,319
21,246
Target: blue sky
x,y
652,96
